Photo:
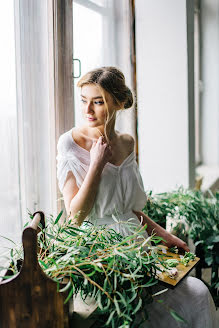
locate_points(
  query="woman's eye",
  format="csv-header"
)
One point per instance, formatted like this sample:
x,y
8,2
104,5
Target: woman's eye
x,y
95,102
99,102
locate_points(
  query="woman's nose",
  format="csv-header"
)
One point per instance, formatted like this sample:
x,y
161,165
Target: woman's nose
x,y
89,107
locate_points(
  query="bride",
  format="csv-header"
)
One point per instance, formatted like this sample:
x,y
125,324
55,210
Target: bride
x,y
99,177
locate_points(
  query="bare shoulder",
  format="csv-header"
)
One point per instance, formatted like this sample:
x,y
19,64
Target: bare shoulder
x,y
127,141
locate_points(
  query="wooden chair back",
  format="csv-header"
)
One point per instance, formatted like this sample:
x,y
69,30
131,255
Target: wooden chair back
x,y
30,299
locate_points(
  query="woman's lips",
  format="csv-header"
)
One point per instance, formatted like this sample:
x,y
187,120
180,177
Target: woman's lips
x,y
91,119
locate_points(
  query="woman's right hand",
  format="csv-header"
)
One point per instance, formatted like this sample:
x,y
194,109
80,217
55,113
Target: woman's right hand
x,y
100,153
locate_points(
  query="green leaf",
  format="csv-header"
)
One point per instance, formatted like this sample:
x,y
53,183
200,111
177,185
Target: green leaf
x,y
114,218
160,301
150,283
91,274
138,306
110,317
26,224
43,264
6,277
177,317
115,281
209,260
65,288
50,236
58,217
212,239
69,295
117,306
122,298
160,292
8,239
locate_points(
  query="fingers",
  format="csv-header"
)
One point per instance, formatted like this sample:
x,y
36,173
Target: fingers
x,y
100,140
175,241
185,247
93,144
182,244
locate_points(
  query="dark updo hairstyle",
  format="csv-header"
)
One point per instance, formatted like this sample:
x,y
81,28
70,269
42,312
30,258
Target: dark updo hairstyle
x,y
112,80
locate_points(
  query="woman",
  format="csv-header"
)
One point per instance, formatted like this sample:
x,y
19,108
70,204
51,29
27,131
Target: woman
x,y
99,179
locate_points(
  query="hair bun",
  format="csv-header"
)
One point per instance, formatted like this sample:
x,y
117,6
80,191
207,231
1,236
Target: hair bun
x,y
112,80
129,100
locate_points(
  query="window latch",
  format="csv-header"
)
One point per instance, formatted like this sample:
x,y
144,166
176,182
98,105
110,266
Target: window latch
x,y
79,68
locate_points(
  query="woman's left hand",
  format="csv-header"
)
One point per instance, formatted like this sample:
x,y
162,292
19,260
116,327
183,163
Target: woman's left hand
x,y
153,227
171,241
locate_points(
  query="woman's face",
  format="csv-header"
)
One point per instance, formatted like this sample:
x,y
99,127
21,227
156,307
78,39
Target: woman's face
x,y
93,106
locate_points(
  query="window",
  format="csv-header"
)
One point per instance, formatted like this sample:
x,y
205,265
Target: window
x,y
37,91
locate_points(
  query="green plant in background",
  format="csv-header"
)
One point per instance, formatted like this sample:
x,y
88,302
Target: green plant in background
x,y
97,261
192,214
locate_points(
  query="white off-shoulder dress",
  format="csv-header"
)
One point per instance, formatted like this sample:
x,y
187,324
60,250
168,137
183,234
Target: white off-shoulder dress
x,y
120,192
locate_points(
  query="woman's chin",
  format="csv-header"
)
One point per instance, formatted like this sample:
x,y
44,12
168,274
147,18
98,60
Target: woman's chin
x,y
93,124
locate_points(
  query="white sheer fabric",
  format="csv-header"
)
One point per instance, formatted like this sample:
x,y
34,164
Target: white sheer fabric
x,y
120,191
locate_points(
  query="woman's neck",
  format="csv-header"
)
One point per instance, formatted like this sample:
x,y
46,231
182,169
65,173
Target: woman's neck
x,y
108,134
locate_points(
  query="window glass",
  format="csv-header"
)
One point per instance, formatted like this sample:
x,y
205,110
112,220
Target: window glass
x,y
10,221
99,2
102,37
90,38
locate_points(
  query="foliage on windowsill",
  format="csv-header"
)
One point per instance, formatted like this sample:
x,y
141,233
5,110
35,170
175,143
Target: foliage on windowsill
x,y
192,214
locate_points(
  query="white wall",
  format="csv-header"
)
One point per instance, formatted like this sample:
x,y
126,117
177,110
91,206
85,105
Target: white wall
x,y
210,77
163,98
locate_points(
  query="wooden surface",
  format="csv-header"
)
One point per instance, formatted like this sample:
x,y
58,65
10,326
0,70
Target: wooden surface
x,y
30,299
183,271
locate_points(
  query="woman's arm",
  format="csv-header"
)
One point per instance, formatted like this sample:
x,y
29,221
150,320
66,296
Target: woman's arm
x,y
153,227
79,202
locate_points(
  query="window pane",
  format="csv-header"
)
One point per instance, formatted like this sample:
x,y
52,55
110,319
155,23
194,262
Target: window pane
x,y
102,38
88,44
10,223
99,2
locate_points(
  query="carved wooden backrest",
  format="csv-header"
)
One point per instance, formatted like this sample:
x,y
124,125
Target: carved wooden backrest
x,y
30,299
